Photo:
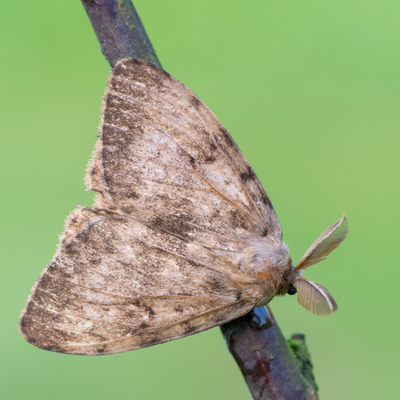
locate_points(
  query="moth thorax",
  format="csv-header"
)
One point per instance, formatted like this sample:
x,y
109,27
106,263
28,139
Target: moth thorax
x,y
269,263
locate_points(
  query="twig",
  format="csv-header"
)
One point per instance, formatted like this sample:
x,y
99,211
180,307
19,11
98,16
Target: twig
x,y
272,369
119,30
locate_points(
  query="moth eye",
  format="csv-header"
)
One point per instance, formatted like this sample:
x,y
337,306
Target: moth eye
x,y
292,290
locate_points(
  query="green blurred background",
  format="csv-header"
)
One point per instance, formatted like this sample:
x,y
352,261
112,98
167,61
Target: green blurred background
x,y
310,91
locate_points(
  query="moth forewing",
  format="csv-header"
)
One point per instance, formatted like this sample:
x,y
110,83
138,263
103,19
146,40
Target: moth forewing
x,y
325,244
178,213
151,260
314,298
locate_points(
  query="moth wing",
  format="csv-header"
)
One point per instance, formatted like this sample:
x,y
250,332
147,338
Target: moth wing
x,y
314,298
162,150
325,244
116,284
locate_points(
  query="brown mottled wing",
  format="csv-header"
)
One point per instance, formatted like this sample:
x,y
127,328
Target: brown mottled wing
x,y
162,150
329,239
155,260
117,284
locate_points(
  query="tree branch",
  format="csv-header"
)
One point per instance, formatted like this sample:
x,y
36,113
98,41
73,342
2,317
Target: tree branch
x,y
272,368
119,30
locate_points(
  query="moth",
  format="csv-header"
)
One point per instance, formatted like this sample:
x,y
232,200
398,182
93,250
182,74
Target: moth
x,y
181,237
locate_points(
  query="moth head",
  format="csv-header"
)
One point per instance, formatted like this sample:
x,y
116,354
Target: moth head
x,y
312,296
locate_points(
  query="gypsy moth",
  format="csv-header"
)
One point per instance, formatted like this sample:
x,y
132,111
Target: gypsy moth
x,y
182,236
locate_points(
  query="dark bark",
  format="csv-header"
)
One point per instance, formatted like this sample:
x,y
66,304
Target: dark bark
x,y
119,30
273,368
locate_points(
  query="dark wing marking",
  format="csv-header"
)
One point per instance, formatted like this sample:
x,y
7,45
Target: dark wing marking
x,y
116,284
163,150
